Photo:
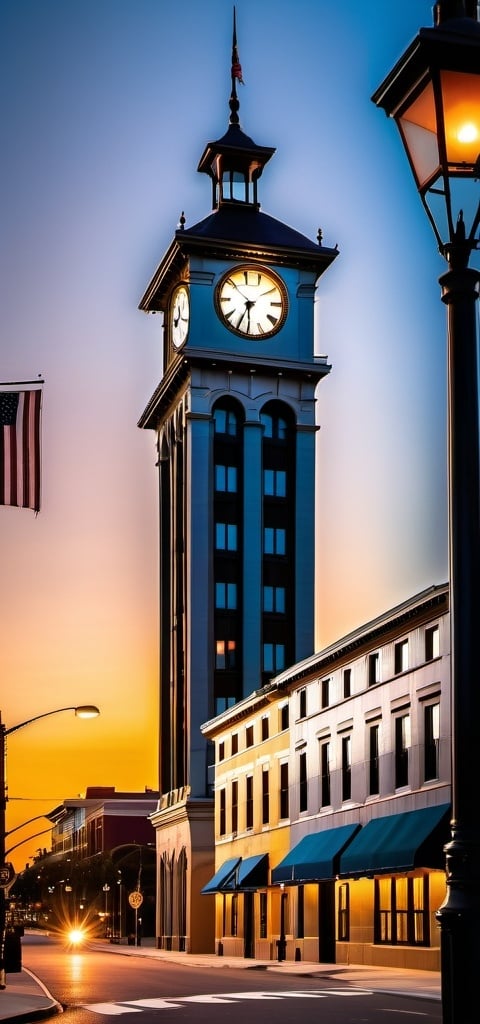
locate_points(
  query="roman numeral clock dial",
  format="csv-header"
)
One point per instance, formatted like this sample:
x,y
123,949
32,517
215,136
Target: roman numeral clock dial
x,y
251,302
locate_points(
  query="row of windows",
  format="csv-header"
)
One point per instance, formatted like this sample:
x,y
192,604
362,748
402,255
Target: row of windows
x,y
283,721
273,656
274,538
402,744
247,802
226,421
401,661
400,912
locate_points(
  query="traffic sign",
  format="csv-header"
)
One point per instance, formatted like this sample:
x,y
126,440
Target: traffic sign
x,y
7,875
135,900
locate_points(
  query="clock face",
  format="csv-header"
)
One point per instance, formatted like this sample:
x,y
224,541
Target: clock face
x,y
252,302
180,316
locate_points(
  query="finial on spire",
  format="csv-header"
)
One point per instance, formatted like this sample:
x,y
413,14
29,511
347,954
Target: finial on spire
x,y
236,75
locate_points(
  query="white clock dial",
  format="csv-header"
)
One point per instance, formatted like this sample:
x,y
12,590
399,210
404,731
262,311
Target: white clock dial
x,y
180,316
252,302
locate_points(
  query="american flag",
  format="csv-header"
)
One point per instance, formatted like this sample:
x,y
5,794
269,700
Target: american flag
x,y
236,66
20,448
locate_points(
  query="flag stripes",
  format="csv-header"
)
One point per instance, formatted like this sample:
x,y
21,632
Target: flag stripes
x,y
20,448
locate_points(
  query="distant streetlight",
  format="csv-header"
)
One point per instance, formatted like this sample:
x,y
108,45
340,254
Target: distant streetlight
x,y
433,93
81,711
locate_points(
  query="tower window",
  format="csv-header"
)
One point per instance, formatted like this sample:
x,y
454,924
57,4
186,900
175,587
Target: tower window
x,y
226,596
225,421
225,653
275,482
273,657
275,427
226,536
274,540
226,478
274,599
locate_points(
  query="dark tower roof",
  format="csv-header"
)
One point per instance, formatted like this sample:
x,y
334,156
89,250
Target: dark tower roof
x,y
236,227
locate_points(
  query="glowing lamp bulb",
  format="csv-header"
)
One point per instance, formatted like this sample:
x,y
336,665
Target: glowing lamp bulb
x,y
467,133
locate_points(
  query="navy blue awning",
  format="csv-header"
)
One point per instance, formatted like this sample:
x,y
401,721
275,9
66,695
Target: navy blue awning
x,y
253,873
222,879
398,842
315,858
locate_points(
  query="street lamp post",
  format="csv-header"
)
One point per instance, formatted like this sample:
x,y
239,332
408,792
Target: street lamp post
x,y
82,711
433,93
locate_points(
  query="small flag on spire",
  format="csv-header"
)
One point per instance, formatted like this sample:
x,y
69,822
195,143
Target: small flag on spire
x,y
236,66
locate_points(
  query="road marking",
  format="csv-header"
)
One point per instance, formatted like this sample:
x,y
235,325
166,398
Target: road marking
x,y
137,1005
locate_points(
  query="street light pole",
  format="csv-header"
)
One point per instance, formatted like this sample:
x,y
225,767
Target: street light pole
x,y
81,711
433,93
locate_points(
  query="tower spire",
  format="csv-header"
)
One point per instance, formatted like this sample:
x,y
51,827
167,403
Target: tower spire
x,y
236,75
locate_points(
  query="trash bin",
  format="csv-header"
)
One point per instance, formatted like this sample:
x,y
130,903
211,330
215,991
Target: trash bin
x,y
13,950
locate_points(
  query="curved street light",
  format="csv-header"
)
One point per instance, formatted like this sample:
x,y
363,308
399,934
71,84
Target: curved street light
x,y
433,94
81,711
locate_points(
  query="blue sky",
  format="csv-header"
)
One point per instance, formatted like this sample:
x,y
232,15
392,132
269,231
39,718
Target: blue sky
x,y
106,106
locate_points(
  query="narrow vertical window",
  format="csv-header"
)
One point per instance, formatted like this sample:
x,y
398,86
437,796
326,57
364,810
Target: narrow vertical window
x,y
249,801
402,744
347,682
235,743
249,736
302,703
265,727
343,926
263,915
432,643
235,806
325,775
373,762
432,739
265,797
374,668
284,790
346,767
222,815
301,912
401,657
303,782
284,717
325,693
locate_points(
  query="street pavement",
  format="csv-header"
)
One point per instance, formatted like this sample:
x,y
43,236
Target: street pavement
x,y
26,999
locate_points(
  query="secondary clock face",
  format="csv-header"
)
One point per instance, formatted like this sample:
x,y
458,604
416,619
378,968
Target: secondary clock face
x,y
180,316
252,302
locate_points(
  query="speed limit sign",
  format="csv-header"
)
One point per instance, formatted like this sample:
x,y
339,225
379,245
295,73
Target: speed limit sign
x,y
135,900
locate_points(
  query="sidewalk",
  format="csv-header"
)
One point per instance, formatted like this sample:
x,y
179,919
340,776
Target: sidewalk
x,y
26,998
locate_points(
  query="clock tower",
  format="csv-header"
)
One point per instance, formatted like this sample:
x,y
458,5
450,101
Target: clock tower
x,y
234,418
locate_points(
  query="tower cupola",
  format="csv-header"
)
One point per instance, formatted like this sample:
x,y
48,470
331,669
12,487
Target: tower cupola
x,y
234,162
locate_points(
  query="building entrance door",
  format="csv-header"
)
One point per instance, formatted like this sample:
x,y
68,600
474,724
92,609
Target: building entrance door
x,y
248,925
326,922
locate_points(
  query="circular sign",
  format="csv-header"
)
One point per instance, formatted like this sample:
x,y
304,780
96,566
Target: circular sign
x,y
7,875
135,900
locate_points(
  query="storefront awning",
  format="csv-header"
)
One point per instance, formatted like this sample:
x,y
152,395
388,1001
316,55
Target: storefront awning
x,y
398,842
315,858
253,873
223,878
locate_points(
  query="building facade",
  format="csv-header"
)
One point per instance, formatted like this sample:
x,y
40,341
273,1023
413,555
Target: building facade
x,y
235,422
332,799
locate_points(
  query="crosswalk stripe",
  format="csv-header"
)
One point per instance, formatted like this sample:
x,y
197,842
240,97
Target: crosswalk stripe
x,y
176,1002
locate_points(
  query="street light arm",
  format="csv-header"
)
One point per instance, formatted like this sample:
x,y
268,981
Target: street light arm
x,y
27,840
25,823
82,711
